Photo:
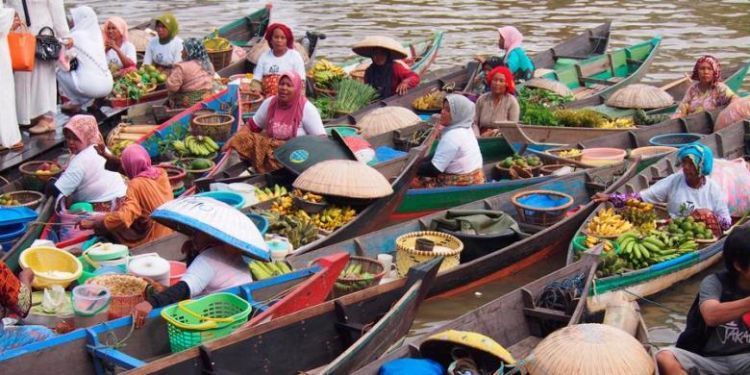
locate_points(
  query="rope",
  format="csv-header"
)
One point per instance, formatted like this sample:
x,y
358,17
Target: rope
x,y
560,295
654,303
5,180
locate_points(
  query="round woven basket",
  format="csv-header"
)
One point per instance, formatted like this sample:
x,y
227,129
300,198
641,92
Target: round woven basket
x,y
250,102
407,254
175,175
346,286
543,216
221,58
33,181
218,126
192,174
25,198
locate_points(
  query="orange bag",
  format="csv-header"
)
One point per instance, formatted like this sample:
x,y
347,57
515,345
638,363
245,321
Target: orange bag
x,y
22,46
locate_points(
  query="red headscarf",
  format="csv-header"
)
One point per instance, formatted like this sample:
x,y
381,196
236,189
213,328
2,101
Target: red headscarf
x,y
511,86
284,119
714,62
85,128
137,163
287,31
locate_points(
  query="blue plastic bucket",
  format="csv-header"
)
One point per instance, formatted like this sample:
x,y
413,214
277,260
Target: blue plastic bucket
x,y
260,221
675,139
233,199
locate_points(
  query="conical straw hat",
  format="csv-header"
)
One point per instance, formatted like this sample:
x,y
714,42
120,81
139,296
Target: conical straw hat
x,y
589,349
557,87
640,96
259,48
386,119
344,178
366,47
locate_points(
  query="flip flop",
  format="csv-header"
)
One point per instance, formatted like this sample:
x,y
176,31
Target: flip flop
x,y
17,147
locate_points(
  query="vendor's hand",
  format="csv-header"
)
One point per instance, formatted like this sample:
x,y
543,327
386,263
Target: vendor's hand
x,y
600,197
156,286
140,312
110,44
402,88
26,276
101,150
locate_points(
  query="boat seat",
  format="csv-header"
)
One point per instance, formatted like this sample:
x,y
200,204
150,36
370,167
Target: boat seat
x,y
350,330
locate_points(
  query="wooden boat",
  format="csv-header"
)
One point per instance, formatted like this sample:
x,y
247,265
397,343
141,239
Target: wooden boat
x,y
515,320
88,350
728,143
556,135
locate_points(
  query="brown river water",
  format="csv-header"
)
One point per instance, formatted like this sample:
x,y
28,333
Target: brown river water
x,y
689,29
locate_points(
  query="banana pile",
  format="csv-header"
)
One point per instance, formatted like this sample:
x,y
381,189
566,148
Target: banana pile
x,y
283,206
119,146
266,270
432,101
298,232
268,193
572,153
592,241
216,43
353,279
324,73
642,251
607,223
333,217
196,146
620,123
307,196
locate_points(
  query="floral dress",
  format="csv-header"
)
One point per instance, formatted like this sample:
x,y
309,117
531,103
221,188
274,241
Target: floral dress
x,y
697,100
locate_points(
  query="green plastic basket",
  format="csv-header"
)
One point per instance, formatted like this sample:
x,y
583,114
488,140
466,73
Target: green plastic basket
x,y
192,322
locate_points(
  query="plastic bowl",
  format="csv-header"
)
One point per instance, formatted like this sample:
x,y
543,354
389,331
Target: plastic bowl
x,y
12,231
233,199
675,139
260,222
650,151
602,156
45,259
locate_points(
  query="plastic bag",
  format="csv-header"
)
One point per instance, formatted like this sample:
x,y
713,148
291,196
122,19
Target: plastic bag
x,y
737,111
55,300
733,177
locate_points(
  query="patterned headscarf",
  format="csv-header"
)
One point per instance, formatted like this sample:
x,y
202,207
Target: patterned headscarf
x,y
137,163
512,38
287,31
511,86
195,50
714,62
462,111
85,128
170,22
119,24
701,156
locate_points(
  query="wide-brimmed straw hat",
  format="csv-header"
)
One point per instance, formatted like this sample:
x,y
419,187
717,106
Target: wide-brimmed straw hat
x,y
370,43
641,96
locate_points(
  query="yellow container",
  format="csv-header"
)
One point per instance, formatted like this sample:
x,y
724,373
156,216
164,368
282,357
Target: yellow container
x,y
446,245
46,261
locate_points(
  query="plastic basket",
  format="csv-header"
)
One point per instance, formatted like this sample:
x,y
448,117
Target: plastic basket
x,y
191,323
539,215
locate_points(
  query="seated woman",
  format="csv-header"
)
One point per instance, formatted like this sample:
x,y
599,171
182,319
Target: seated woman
x,y
148,188
85,179
457,160
165,49
515,57
499,104
192,79
388,76
284,116
690,189
707,93
15,300
282,57
120,51
480,85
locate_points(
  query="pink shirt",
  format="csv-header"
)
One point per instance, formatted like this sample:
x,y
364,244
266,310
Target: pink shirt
x,y
216,269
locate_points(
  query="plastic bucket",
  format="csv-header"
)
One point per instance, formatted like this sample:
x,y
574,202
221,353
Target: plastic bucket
x,y
602,156
231,198
176,270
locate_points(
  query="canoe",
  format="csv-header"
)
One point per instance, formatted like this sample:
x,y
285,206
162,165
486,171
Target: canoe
x,y
728,143
88,351
515,320
557,135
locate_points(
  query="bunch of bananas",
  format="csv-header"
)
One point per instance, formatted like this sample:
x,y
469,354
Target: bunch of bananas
x,y
642,251
268,193
297,232
265,270
283,206
432,101
307,196
216,43
638,212
592,241
352,279
196,146
333,217
572,153
325,73
607,223
620,123
119,146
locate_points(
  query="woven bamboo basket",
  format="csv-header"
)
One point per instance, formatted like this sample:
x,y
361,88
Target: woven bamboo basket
x,y
31,180
346,286
544,216
249,103
446,245
25,198
192,174
175,175
218,126
221,58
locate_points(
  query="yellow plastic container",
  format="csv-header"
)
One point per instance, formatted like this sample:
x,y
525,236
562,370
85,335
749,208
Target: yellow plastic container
x,y
44,261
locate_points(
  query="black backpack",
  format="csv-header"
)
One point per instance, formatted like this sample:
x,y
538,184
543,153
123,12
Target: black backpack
x,y
695,335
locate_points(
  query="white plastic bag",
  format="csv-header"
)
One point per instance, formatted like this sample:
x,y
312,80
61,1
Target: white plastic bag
x,y
733,177
55,300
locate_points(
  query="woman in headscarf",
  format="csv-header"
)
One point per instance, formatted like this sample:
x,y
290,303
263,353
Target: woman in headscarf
x,y
515,57
148,188
191,80
282,117
92,78
165,49
121,52
281,57
691,189
15,300
10,134
707,91
36,91
387,75
457,160
480,85
499,104
85,179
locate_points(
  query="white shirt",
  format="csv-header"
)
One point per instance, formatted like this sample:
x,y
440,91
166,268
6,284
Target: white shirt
x,y
457,152
311,122
268,63
675,191
216,269
163,54
86,180
128,49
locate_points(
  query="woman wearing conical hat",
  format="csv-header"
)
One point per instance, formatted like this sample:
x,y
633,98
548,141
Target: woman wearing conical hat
x,y
386,74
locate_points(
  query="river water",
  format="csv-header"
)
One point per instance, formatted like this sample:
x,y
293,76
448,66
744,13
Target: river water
x,y
689,29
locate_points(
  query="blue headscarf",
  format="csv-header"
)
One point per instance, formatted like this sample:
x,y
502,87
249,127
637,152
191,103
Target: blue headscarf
x,y
701,156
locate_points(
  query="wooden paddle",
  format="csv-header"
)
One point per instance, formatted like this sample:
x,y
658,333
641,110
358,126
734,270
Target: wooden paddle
x,y
675,83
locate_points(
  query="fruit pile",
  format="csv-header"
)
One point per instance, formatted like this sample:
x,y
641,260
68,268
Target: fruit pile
x,y
47,169
710,221
607,223
297,232
521,161
119,146
216,43
688,228
620,123
591,241
333,217
135,84
326,74
569,154
266,270
198,164
640,214
268,193
432,101
307,196
195,146
7,200
657,246
353,272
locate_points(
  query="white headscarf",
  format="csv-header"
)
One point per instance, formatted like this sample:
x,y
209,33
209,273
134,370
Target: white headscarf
x,y
462,111
87,36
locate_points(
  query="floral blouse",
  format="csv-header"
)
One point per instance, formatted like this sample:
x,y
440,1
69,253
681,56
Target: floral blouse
x,y
696,100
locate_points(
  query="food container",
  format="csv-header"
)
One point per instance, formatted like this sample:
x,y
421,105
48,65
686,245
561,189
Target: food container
x,y
176,270
24,198
231,198
104,254
90,304
541,207
247,192
150,266
309,207
51,266
650,151
36,173
602,156
675,139
344,286
126,291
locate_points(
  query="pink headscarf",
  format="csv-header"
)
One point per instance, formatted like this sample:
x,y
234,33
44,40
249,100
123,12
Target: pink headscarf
x,y
85,128
512,38
119,24
284,119
137,163
714,62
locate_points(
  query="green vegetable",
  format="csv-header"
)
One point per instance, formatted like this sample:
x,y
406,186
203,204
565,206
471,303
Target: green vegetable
x,y
641,118
585,118
325,107
352,95
537,114
544,97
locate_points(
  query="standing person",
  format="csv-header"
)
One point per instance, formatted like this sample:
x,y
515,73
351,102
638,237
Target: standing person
x,y
92,78
715,339
282,57
707,91
388,76
165,49
191,79
121,52
515,57
499,104
36,91
10,134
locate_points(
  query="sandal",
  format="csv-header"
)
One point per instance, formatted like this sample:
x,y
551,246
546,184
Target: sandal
x,y
43,126
17,147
